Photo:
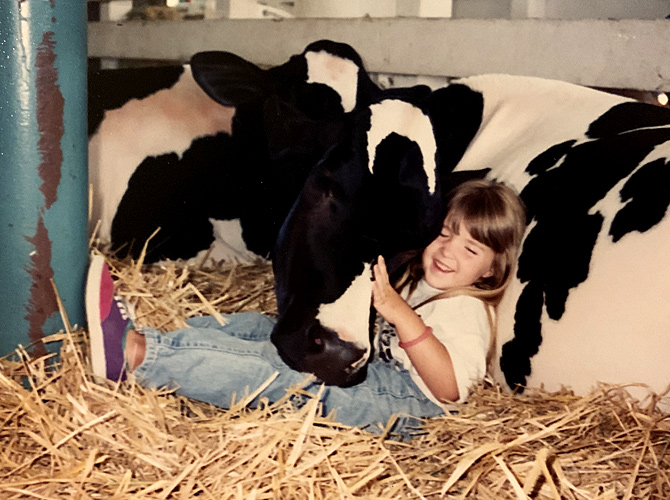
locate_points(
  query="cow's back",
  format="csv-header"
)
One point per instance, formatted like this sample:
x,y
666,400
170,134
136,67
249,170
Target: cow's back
x,y
524,116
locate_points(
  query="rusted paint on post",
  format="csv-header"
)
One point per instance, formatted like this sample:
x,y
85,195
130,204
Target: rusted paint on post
x,y
50,112
43,168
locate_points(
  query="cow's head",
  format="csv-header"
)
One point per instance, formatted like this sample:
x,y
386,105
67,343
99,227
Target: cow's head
x,y
321,253
378,191
286,118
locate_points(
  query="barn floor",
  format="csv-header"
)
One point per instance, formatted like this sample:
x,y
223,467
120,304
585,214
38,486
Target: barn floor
x,y
64,434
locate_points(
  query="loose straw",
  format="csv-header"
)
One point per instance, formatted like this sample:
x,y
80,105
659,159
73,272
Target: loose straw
x,y
68,434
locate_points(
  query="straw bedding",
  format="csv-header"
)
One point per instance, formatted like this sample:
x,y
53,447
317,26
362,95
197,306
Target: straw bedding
x,y
65,434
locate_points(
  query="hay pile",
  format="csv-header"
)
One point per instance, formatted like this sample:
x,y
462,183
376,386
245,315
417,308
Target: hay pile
x,y
65,435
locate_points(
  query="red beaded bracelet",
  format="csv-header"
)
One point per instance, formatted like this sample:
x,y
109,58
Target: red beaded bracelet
x,y
426,333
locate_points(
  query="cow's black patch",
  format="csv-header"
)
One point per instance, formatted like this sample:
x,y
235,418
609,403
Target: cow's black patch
x,y
178,195
456,114
111,89
418,95
516,354
401,193
647,194
569,180
565,244
277,151
626,117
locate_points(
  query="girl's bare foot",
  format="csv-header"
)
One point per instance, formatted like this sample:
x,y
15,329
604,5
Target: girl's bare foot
x,y
135,349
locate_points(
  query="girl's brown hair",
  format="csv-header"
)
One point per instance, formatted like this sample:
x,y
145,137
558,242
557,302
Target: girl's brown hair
x,y
494,216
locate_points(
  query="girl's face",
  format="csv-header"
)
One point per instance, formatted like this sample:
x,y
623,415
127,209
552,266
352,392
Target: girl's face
x,y
456,260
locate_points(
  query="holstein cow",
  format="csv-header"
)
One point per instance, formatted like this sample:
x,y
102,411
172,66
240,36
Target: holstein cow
x,y
590,299
216,175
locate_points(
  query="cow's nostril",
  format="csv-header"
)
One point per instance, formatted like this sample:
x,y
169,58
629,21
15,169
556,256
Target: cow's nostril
x,y
316,341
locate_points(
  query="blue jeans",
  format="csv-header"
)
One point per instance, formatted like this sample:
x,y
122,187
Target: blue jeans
x,y
210,363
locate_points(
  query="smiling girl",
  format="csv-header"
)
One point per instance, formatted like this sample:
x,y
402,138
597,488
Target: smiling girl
x,y
440,325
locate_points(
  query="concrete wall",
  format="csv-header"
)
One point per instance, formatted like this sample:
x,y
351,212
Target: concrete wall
x,y
480,9
462,9
561,9
483,36
615,54
605,9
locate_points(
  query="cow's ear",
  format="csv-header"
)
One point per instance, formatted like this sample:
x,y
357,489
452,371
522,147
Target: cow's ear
x,y
229,79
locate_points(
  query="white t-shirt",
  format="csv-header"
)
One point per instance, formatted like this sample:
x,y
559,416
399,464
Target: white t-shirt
x,y
459,322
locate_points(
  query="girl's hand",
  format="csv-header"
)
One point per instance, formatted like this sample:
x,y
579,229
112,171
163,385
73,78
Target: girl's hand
x,y
429,357
385,299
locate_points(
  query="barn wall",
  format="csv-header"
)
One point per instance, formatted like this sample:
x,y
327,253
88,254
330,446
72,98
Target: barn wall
x,y
605,9
601,53
561,9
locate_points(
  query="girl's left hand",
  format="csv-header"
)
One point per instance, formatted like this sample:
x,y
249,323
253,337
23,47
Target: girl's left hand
x,y
385,299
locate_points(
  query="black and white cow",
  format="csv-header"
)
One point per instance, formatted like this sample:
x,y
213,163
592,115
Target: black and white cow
x,y
213,153
590,299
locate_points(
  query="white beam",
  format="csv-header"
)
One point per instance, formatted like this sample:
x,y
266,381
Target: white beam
x,y
618,54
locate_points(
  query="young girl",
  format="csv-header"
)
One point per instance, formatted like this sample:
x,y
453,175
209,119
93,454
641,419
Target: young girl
x,y
434,336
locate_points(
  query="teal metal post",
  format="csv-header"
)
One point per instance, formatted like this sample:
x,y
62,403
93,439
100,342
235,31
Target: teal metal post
x,y
43,168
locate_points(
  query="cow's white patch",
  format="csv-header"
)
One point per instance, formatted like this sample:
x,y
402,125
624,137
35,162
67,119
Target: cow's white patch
x,y
339,74
349,315
409,121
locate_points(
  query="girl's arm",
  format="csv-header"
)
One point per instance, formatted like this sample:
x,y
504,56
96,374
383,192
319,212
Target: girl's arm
x,y
429,357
